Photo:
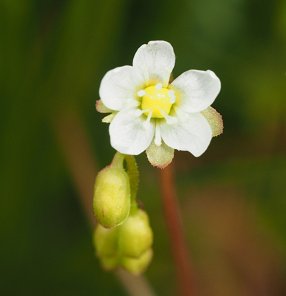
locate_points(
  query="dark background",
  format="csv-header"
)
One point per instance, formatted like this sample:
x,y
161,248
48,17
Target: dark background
x,y
53,55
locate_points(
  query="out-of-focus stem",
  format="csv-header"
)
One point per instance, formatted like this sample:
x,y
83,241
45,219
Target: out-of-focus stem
x,y
134,285
175,231
79,158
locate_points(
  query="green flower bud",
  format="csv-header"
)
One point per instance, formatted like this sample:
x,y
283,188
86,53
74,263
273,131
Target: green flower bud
x,y
105,241
109,263
128,245
135,235
111,202
137,265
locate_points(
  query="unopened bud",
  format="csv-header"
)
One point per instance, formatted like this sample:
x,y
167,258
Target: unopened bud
x,y
109,263
111,202
105,242
137,265
135,235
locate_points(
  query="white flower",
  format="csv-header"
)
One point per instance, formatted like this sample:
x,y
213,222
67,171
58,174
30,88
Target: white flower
x,y
150,113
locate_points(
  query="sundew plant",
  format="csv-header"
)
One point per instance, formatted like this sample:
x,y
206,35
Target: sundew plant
x,y
113,177
147,111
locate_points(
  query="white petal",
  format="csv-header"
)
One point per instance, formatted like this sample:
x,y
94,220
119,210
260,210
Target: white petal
x,y
130,133
190,133
156,61
119,86
198,89
215,120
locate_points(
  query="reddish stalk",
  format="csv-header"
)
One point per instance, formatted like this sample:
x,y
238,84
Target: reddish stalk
x,y
175,231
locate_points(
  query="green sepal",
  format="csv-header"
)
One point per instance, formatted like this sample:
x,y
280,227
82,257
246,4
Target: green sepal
x,y
160,156
214,119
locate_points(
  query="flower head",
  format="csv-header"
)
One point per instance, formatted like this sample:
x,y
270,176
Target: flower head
x,y
128,245
149,112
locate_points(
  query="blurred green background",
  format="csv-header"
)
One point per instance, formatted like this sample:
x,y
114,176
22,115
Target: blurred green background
x,y
53,55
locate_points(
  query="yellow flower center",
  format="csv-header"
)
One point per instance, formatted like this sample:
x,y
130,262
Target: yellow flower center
x,y
158,100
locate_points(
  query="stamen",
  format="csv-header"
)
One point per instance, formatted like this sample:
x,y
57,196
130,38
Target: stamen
x,y
141,93
139,112
147,121
172,100
158,139
169,119
172,96
159,86
131,103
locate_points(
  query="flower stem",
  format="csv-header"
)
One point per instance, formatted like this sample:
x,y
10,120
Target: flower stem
x,y
133,173
118,160
175,230
75,145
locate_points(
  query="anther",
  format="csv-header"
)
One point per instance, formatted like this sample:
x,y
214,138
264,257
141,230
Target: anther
x,y
159,86
141,93
169,119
